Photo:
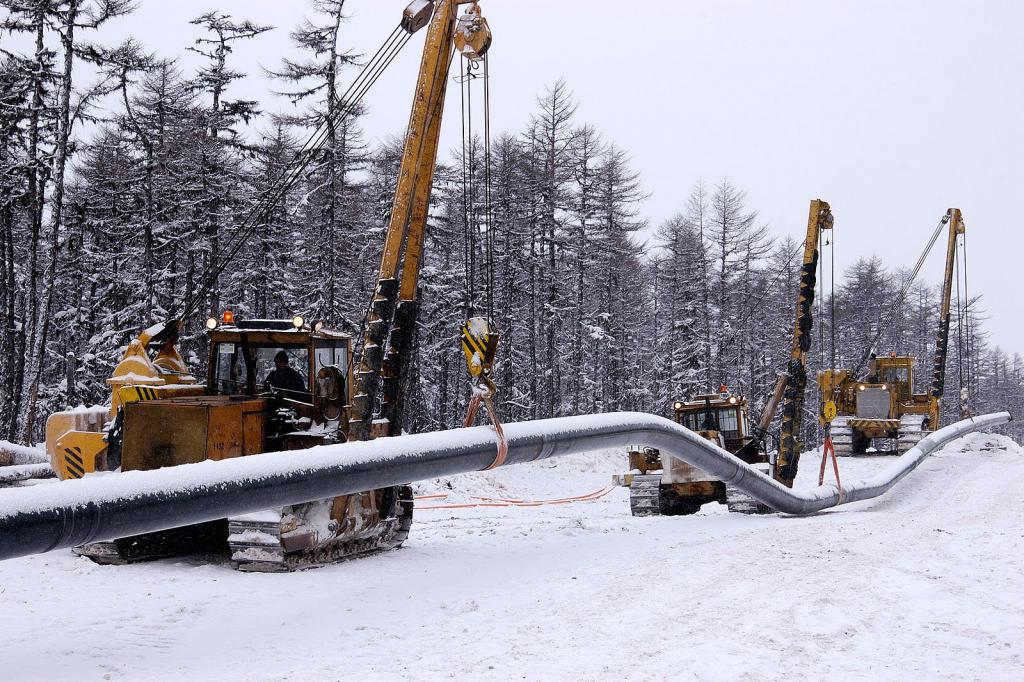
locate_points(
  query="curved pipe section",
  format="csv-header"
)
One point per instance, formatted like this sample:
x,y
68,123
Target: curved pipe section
x,y
43,518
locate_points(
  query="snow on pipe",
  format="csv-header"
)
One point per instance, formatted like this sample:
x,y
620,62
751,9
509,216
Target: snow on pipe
x,y
42,518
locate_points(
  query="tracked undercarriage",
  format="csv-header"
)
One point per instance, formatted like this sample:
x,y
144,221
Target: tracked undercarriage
x,y
648,496
293,538
198,539
854,436
296,537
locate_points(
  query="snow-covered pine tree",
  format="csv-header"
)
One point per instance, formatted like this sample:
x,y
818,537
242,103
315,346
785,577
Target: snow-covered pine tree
x,y
333,214
222,173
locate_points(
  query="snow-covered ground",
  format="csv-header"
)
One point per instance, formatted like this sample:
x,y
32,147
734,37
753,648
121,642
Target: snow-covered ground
x,y
924,583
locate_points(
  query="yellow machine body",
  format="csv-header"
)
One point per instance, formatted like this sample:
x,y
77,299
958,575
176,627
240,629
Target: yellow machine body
x,y
169,432
883,404
670,485
875,405
76,440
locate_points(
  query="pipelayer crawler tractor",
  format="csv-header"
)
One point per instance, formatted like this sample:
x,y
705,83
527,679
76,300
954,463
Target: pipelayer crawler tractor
x,y
161,416
670,486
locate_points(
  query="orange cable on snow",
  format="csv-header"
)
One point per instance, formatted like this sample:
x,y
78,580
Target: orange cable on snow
x,y
557,499
490,502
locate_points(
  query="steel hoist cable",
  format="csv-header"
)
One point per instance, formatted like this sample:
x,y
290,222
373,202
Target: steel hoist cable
x,y
959,324
488,215
832,295
828,242
898,301
465,196
470,172
967,321
470,220
963,325
349,102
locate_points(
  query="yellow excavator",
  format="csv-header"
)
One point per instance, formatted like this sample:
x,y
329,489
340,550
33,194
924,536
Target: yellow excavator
x,y
285,384
882,408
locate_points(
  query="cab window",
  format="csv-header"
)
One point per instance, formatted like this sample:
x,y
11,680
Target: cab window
x,y
728,423
698,421
330,364
229,377
331,356
290,375
248,369
689,420
891,375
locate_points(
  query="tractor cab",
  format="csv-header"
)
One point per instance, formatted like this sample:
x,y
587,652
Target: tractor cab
x,y
303,370
719,417
896,372
889,384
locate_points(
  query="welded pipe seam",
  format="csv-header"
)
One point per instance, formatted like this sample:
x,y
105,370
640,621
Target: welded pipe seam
x,y
42,518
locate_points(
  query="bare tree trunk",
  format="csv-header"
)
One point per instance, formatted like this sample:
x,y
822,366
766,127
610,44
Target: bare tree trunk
x,y
25,393
67,38
9,342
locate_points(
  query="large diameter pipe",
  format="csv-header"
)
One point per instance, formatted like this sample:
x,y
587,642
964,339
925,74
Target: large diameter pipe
x,y
102,507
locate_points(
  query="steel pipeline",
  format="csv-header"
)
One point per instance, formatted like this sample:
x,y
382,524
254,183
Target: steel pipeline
x,y
47,517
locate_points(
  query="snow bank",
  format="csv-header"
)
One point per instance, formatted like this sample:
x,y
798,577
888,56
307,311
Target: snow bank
x,y
921,584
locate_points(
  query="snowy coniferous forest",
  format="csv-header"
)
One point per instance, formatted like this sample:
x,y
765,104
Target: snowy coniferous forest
x,y
118,189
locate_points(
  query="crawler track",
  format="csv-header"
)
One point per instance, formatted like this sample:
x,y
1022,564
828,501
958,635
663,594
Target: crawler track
x,y
260,546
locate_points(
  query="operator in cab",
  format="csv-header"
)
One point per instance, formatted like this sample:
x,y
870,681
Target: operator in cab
x,y
284,378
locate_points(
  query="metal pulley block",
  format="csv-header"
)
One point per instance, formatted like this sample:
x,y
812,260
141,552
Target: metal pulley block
x,y
472,34
480,345
417,15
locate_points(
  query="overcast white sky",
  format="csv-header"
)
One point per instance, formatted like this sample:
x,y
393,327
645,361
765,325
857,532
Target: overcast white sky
x,y
891,111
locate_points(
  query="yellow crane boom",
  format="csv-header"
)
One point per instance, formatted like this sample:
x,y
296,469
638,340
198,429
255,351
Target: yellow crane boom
x,y
394,308
819,219
956,228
